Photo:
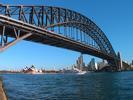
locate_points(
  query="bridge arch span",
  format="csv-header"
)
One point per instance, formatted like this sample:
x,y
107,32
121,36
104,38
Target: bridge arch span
x,y
53,24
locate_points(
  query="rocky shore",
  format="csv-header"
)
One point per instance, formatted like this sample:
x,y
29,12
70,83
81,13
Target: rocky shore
x,y
2,93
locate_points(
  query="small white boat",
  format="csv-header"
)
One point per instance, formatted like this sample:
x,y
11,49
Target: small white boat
x,y
82,72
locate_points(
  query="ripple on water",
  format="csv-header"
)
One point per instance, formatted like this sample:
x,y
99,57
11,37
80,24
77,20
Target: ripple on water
x,y
92,86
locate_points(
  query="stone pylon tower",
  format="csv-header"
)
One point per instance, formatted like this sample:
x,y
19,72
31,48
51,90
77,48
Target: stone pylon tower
x,y
120,64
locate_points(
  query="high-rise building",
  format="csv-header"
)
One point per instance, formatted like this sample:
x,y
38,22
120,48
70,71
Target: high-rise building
x,y
80,63
93,65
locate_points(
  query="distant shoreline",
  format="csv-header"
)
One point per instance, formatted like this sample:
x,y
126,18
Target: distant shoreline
x,y
53,72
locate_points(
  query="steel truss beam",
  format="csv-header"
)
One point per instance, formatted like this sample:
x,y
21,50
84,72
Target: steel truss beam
x,y
65,22
7,42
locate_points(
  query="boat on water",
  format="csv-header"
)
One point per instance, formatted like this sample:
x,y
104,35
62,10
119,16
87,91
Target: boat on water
x,y
80,72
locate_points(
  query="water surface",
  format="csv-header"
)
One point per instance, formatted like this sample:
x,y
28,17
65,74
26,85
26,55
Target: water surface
x,y
92,86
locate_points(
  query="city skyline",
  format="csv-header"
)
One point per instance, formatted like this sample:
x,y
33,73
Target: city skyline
x,y
115,21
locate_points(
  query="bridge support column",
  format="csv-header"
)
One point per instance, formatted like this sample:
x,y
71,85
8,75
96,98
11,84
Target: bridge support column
x,y
120,63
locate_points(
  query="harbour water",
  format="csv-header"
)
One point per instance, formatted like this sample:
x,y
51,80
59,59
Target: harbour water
x,y
91,86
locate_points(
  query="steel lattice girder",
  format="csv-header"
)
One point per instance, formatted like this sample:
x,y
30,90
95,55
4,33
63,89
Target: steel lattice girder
x,y
47,16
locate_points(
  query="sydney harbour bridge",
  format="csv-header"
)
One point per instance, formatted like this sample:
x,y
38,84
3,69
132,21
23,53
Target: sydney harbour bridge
x,y
54,26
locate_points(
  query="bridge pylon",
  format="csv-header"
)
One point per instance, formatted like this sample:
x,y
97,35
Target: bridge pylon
x,y
119,61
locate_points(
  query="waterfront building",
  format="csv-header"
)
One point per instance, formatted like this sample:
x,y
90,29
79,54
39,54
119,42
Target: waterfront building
x,y
96,66
31,70
80,63
92,64
132,62
131,66
102,64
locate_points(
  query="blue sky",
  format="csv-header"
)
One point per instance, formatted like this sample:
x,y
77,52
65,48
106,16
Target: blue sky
x,y
114,17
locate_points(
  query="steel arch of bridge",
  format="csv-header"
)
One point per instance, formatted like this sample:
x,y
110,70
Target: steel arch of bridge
x,y
31,22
